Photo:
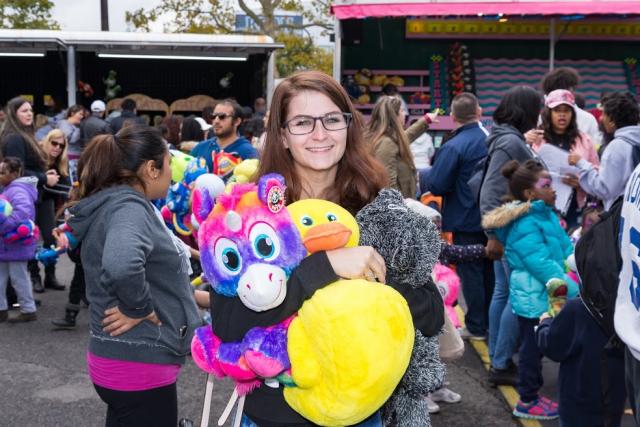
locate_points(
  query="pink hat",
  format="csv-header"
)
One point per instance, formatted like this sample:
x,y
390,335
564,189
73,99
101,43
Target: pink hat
x,y
559,97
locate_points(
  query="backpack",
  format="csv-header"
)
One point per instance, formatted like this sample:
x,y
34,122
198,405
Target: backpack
x,y
478,174
599,263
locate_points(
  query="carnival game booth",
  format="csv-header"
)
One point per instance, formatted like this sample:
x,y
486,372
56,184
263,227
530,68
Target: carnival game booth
x,y
434,50
77,67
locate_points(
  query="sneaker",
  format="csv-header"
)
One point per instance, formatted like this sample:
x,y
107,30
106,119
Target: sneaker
x,y
432,406
548,402
535,410
507,376
445,395
466,335
22,318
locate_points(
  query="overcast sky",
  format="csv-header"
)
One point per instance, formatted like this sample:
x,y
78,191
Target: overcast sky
x,y
75,15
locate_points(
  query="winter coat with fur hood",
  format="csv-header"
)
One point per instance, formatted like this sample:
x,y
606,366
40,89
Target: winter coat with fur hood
x,y
535,247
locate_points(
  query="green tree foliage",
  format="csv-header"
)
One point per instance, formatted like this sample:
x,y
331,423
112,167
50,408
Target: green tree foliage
x,y
299,53
218,17
27,14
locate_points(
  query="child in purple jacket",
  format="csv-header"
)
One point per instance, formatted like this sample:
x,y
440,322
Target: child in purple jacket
x,y
15,251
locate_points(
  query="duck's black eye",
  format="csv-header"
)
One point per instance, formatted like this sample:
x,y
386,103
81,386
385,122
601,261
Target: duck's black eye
x,y
331,217
307,221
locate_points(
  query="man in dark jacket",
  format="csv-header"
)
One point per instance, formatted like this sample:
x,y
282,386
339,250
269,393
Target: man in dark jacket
x,y
129,113
460,213
94,124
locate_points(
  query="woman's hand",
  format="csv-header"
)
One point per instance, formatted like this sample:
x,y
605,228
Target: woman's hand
x,y
62,241
361,262
571,180
116,323
52,177
431,118
573,159
533,137
202,299
494,249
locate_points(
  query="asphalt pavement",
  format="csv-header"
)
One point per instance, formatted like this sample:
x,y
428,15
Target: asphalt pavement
x,y
43,378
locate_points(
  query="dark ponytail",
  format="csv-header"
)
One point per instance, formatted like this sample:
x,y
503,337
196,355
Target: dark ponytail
x,y
521,177
111,160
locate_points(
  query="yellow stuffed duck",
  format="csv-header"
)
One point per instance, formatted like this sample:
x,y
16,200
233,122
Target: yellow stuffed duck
x,y
339,342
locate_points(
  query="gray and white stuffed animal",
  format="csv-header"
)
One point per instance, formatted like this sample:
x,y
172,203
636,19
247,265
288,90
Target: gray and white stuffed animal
x,y
410,245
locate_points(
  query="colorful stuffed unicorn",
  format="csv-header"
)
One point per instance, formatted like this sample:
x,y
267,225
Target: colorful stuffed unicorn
x,y
329,355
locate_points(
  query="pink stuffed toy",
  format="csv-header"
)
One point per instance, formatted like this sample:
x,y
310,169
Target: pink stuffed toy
x,y
448,284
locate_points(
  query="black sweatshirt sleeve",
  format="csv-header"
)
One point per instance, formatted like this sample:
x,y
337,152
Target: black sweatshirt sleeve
x,y
231,319
458,254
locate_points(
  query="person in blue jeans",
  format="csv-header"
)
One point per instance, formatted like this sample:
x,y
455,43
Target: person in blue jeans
x,y
503,330
536,247
452,168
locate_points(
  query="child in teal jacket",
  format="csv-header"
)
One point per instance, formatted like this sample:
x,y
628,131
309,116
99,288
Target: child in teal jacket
x,y
536,247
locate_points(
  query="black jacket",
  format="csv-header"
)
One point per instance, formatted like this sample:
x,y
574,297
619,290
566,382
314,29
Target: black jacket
x,y
231,320
14,145
574,339
92,126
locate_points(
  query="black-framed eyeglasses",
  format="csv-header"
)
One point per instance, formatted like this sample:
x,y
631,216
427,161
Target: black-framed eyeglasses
x,y
57,144
303,125
221,116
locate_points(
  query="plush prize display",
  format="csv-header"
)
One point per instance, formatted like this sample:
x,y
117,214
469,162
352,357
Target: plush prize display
x,y
177,210
26,233
329,355
448,284
5,209
409,244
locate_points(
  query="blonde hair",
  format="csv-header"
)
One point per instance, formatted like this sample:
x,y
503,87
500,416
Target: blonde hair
x,y
60,163
385,122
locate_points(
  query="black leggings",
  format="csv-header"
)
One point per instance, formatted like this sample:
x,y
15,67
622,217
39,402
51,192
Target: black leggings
x,y
157,407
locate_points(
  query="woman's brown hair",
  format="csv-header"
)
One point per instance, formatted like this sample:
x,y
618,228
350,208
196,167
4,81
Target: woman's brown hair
x,y
385,123
111,160
60,163
359,177
13,125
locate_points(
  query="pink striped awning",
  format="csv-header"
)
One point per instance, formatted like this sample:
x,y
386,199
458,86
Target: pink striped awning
x,y
354,9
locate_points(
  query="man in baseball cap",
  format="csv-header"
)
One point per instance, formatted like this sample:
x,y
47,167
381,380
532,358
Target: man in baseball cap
x,y
94,124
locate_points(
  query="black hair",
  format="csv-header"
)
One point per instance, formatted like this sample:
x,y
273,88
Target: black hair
x,y
561,78
521,177
13,165
111,160
572,133
207,113
238,111
465,107
622,109
191,130
128,104
519,107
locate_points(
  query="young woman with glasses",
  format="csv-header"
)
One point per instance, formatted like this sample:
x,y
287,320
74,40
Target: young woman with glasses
x,y
390,142
314,139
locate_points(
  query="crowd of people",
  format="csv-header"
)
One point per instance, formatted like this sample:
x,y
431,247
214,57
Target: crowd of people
x,y
516,198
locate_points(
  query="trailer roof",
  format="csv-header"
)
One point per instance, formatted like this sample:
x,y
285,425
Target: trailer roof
x,y
107,41
358,9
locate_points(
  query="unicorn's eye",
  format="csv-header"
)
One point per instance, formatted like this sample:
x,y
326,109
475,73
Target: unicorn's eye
x,y
265,241
306,221
227,256
331,217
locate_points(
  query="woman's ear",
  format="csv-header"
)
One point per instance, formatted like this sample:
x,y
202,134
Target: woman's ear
x,y
285,143
150,170
529,193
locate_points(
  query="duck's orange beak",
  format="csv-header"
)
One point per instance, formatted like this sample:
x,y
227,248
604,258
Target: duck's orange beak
x,y
325,237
